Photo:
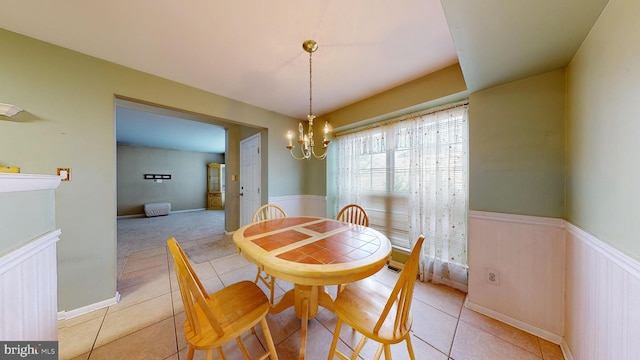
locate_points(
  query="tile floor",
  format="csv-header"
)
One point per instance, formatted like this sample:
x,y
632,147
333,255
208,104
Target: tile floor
x,y
147,322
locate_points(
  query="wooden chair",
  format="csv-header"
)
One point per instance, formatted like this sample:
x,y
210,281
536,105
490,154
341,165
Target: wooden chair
x,y
354,214
267,212
215,319
376,313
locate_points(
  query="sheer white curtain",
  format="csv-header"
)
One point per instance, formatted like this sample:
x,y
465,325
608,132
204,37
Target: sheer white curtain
x,y
411,176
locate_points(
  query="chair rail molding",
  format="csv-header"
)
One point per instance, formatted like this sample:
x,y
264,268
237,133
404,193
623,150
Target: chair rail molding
x,y
14,182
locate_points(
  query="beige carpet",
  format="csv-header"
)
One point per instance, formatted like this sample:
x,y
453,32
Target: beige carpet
x,y
201,233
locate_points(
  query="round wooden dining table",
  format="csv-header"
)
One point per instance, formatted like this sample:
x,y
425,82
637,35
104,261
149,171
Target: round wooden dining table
x,y
312,252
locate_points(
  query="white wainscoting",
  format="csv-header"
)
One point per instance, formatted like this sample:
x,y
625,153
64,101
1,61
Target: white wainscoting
x,y
557,282
29,296
302,205
527,254
602,316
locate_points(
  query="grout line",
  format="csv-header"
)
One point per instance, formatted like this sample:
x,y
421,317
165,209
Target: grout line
x,y
455,332
95,340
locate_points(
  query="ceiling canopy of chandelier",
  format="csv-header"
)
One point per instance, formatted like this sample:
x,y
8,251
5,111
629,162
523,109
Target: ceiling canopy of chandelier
x,y
305,140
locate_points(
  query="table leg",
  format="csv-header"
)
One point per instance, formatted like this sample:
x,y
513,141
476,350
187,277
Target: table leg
x,y
305,299
325,300
306,295
287,301
303,330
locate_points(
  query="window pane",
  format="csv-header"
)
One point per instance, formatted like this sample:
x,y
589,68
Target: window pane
x,y
401,171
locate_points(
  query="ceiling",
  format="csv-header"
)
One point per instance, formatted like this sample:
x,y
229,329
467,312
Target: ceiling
x,y
251,51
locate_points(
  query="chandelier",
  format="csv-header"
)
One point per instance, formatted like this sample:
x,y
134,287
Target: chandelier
x,y
306,141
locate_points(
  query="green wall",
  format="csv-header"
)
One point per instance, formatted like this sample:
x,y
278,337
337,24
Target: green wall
x,y
516,147
69,102
603,197
438,88
186,190
32,218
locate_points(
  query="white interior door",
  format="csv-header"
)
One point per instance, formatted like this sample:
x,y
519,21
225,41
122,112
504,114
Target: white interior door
x,y
250,178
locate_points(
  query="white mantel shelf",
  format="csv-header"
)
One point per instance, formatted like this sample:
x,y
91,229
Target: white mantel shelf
x,y
12,182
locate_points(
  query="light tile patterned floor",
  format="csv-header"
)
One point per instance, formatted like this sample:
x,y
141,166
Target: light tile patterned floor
x,y
147,322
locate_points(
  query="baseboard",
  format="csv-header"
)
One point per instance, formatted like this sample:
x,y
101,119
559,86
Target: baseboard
x,y
130,216
188,210
63,315
556,339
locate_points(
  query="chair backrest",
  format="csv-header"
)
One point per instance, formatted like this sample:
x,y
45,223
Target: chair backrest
x,y
354,214
267,212
402,293
192,291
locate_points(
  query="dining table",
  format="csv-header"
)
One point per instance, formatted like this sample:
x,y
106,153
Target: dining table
x,y
312,252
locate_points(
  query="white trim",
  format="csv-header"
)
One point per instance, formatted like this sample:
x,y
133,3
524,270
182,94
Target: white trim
x,y
187,210
520,219
556,339
566,350
15,257
12,182
624,261
63,315
131,216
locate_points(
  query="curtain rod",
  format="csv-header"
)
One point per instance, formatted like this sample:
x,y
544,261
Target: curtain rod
x,y
405,117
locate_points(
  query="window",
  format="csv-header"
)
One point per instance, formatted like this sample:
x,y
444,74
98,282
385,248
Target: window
x,y
411,177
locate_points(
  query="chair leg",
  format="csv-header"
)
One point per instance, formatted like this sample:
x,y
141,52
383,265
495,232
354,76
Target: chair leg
x,y
269,281
190,353
334,342
242,348
387,351
358,348
410,347
379,353
209,355
267,335
222,357
272,287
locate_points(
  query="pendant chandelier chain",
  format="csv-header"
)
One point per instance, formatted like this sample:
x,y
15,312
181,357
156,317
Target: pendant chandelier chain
x,y
306,140
310,84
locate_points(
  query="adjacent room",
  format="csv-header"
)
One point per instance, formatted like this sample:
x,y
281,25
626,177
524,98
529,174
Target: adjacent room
x,y
477,158
167,163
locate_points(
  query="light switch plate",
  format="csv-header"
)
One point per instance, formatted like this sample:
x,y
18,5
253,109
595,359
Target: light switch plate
x,y
68,170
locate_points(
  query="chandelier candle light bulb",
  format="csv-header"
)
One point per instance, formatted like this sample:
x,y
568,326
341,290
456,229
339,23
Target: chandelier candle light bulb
x,y
306,141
